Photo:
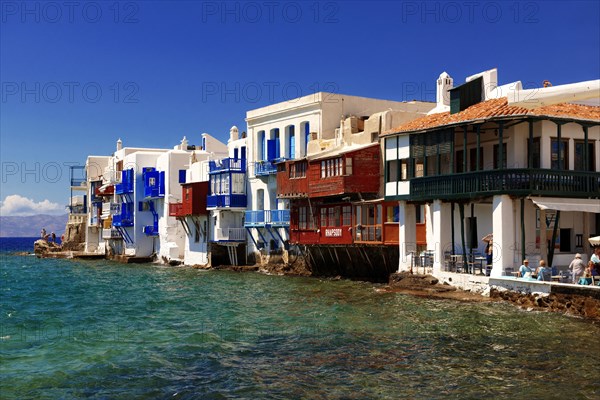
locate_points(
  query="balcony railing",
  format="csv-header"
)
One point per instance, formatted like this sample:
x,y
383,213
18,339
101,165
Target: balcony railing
x,y
518,182
227,164
230,235
110,234
267,218
222,200
264,168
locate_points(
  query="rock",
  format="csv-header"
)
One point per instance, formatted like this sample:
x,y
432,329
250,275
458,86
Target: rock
x,y
42,247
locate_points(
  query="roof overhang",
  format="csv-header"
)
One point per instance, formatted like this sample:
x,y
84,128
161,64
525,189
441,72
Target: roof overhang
x,y
560,204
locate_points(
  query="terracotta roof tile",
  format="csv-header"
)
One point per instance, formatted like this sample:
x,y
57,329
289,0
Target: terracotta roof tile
x,y
498,108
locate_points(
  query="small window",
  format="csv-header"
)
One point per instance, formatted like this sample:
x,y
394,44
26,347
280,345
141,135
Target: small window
x,y
393,214
346,215
349,166
324,216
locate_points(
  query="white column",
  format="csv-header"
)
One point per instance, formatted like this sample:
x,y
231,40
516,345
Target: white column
x,y
442,232
407,234
504,241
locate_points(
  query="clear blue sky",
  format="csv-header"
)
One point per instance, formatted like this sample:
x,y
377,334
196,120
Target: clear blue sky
x,y
75,78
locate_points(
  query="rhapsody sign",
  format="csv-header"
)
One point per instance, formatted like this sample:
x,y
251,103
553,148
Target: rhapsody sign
x,y
333,232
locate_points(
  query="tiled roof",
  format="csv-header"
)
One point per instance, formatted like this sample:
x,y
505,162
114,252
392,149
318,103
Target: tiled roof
x,y
496,108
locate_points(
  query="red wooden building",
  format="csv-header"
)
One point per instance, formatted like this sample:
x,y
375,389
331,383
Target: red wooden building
x,y
193,200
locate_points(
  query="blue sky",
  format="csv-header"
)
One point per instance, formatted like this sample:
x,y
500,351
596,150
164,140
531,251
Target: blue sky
x,y
77,76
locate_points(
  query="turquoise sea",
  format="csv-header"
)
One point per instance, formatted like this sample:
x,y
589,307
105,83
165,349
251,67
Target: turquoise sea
x,y
97,329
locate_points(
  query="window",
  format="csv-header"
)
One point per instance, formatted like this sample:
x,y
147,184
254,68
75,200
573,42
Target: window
x,y
496,164
580,159
151,181
324,216
418,167
349,166
393,214
238,184
473,159
292,141
535,153
346,215
333,167
302,218
392,171
459,162
298,170
559,155
332,221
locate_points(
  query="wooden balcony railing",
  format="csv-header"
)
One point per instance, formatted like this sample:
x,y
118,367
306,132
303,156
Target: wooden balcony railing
x,y
518,182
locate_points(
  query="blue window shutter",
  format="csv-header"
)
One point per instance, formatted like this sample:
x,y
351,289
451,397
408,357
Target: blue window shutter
x,y
271,149
243,152
292,148
182,176
235,154
277,148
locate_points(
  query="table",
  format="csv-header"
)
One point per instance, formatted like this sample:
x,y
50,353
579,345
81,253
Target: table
x,y
556,278
479,260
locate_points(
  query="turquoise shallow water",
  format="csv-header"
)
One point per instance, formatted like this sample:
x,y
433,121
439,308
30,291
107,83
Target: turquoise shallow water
x,y
103,330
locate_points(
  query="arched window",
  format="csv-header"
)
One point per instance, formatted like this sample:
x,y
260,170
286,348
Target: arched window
x,y
261,144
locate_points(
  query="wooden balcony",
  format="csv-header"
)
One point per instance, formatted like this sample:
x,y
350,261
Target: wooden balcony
x,y
176,210
517,182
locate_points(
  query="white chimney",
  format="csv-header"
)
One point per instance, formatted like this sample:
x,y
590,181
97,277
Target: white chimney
x,y
234,133
184,143
444,84
119,144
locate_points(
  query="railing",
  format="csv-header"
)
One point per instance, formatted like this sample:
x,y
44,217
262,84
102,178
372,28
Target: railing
x,y
221,200
79,209
227,164
110,209
78,182
126,185
507,181
110,234
176,210
267,217
230,234
264,168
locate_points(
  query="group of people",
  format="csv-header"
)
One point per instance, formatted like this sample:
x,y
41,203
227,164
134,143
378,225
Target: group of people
x,y
48,237
581,270
578,267
542,272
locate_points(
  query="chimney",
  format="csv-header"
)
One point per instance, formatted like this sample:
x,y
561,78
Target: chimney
x,y
233,134
119,144
444,84
184,143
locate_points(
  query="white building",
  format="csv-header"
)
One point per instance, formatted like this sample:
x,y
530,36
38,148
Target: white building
x,y
479,165
292,130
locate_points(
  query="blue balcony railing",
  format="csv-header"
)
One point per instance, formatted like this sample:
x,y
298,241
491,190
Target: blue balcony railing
x,y
227,165
264,168
267,218
126,185
223,200
125,217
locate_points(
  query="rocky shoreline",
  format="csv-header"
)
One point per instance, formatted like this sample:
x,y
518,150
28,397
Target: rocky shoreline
x,y
419,285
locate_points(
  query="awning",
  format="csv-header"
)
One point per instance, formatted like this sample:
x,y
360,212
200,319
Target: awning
x,y
595,241
584,205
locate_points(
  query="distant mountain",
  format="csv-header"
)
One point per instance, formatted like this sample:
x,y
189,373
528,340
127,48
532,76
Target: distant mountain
x,y
32,225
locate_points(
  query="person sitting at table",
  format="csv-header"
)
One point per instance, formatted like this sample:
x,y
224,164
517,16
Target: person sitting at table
x,y
578,267
543,272
524,270
591,270
595,259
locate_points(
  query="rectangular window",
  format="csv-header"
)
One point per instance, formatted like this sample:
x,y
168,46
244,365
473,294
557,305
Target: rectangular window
x,y
580,164
323,169
324,216
331,221
559,155
459,162
346,215
420,214
418,167
302,218
298,170
473,159
349,166
535,153
496,164
392,171
393,214
333,167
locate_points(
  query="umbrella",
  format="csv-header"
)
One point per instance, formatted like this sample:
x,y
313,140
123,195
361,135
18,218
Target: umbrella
x,y
594,241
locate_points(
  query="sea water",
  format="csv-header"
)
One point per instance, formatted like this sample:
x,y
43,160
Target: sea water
x,y
99,329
